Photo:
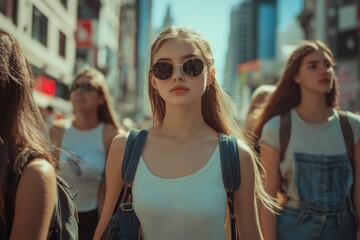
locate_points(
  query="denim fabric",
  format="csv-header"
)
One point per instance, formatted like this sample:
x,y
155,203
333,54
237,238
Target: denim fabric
x,y
324,187
323,182
294,224
123,225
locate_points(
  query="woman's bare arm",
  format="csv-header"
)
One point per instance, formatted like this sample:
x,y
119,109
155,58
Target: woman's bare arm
x,y
35,201
245,201
114,181
270,159
110,133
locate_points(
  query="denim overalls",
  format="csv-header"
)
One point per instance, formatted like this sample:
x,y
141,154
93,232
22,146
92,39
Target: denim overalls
x,y
325,211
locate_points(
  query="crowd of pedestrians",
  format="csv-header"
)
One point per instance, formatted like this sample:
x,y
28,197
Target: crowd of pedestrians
x,y
297,155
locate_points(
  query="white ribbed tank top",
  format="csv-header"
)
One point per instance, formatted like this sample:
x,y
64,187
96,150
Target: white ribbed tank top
x,y
86,174
190,207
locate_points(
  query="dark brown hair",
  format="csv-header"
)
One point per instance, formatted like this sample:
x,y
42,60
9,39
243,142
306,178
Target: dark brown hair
x,y
22,131
287,94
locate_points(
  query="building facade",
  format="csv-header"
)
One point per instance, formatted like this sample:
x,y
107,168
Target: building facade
x,y
45,30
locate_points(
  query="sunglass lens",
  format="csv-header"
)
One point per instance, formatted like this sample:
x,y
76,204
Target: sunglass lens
x,y
85,87
162,70
73,87
193,67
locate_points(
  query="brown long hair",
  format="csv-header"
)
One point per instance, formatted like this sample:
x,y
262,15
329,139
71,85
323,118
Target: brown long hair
x,y
105,111
216,105
287,94
22,130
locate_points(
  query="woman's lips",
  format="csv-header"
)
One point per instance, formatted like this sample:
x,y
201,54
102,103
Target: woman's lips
x,y
179,89
324,80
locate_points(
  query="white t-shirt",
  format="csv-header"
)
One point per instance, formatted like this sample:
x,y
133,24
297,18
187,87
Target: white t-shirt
x,y
307,139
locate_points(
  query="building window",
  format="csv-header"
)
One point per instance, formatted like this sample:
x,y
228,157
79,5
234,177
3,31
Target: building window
x,y
62,44
39,26
64,3
9,9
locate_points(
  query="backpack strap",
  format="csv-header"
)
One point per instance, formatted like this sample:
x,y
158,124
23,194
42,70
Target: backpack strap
x,y
133,150
348,135
230,168
284,132
134,147
230,165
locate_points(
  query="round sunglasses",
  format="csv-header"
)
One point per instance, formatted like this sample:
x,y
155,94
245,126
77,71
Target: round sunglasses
x,y
192,67
84,87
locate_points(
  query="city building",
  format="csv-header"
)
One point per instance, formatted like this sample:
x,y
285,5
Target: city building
x,y
251,55
97,40
45,30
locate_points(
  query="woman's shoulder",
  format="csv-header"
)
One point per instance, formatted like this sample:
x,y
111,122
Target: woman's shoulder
x,y
110,130
246,159
40,166
245,151
120,139
39,171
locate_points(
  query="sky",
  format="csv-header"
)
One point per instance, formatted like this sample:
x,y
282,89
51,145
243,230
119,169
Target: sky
x,y
212,19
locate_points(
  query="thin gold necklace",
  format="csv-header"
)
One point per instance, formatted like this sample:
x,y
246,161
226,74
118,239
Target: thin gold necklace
x,y
181,140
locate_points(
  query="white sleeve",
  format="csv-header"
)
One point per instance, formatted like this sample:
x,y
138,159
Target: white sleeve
x,y
270,132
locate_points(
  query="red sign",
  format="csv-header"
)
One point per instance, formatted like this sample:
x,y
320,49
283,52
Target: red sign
x,y
84,33
45,85
248,66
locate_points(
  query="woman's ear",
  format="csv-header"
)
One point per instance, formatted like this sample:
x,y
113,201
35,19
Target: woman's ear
x,y
153,81
297,78
211,76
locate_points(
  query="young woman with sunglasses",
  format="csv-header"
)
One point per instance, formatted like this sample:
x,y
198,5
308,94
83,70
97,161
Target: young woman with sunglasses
x,y
314,175
86,141
27,204
178,191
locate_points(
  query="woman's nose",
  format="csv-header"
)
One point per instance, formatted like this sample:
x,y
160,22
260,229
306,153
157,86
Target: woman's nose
x,y
178,73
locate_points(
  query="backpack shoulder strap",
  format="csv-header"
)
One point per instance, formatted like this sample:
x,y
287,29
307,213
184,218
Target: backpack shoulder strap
x,y
284,132
230,168
347,134
230,165
133,150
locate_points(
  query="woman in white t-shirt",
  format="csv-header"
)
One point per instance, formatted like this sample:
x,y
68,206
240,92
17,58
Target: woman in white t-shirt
x,y
314,174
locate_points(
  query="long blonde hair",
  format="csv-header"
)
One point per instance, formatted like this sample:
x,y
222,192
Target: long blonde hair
x,y
217,106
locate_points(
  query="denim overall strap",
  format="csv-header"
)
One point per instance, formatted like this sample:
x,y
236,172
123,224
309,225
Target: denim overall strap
x,y
134,147
230,167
